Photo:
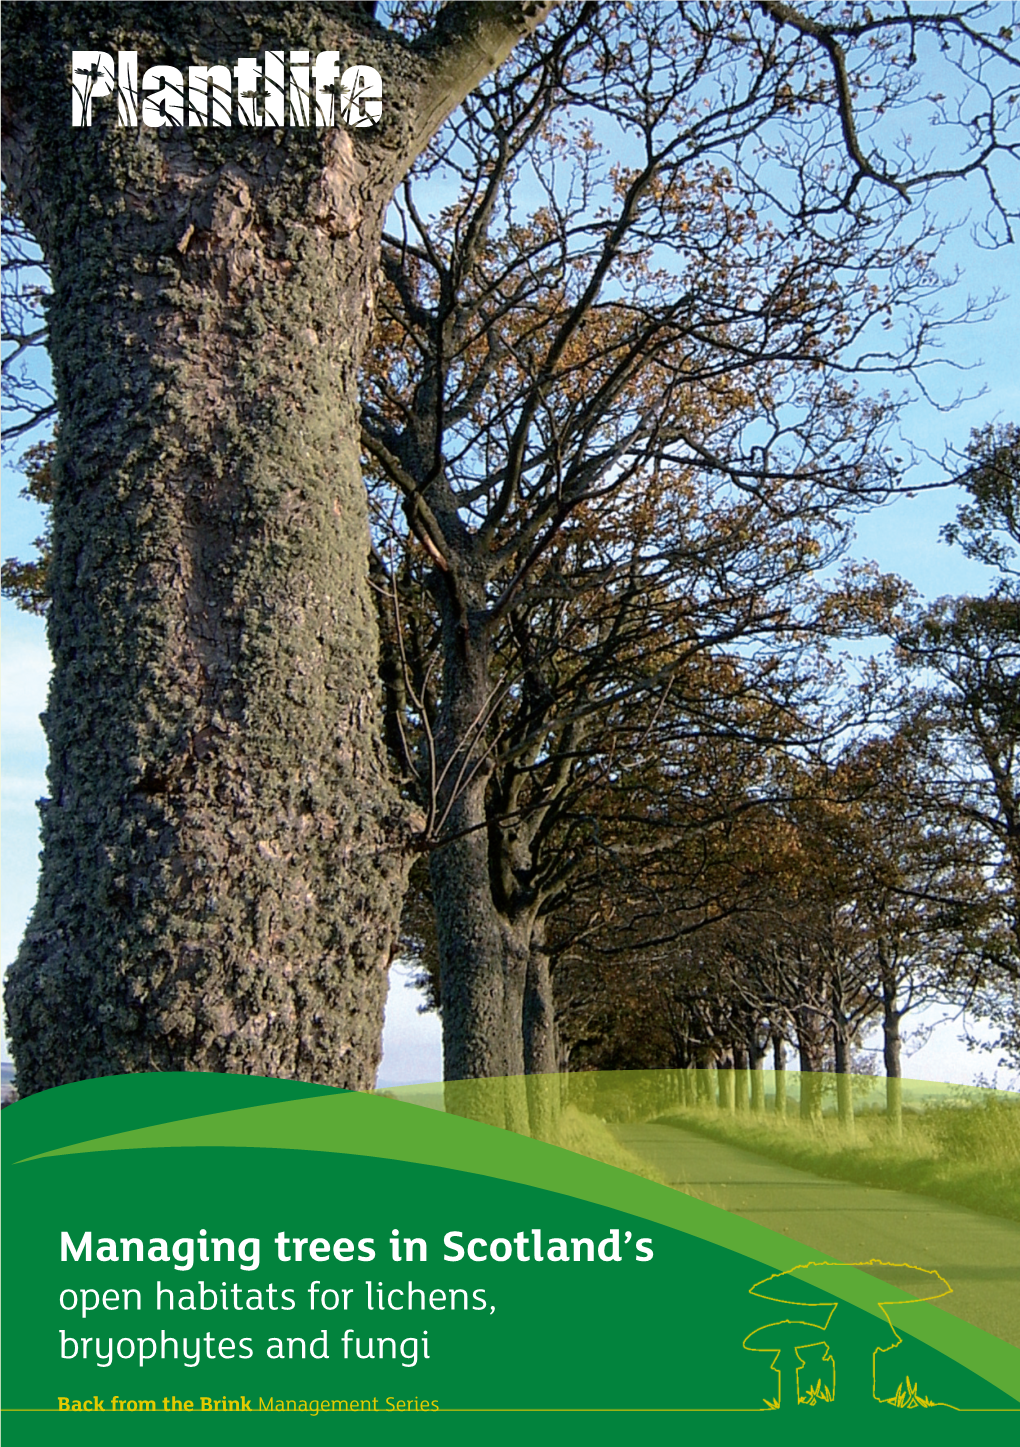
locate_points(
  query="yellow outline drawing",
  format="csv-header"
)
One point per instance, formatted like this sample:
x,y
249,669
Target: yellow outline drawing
x,y
800,1335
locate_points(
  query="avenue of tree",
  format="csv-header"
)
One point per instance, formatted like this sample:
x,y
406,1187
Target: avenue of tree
x,y
618,398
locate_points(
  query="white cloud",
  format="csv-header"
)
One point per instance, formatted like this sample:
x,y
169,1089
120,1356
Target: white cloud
x,y
412,1043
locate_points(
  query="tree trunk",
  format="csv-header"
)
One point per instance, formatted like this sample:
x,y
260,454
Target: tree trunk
x,y
539,1023
891,1050
724,1080
809,1047
706,1077
541,1051
220,888
476,1039
221,869
845,1102
496,986
757,1055
844,1078
779,1070
740,1079
483,965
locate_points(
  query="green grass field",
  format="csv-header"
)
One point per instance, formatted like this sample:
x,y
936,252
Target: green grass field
x,y
967,1151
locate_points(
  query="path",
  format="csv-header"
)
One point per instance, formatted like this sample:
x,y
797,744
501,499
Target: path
x,y
978,1255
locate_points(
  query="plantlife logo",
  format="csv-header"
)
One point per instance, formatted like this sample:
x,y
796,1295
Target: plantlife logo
x,y
361,96
284,89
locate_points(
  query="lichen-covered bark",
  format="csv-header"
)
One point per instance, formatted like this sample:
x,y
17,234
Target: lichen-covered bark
x,y
222,867
479,1038
470,954
219,888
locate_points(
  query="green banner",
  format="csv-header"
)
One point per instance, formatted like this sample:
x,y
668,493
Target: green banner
x,y
219,1253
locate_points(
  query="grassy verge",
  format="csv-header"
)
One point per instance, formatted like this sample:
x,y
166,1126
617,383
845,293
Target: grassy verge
x,y
593,1138
967,1154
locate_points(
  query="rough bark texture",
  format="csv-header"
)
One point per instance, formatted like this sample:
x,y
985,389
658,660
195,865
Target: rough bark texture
x,y
892,1053
494,974
479,1039
541,1053
221,870
475,1030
